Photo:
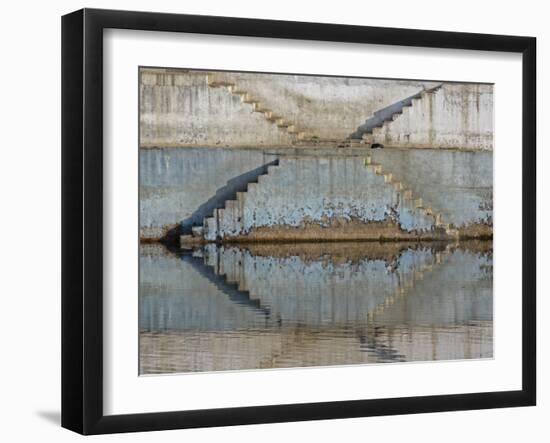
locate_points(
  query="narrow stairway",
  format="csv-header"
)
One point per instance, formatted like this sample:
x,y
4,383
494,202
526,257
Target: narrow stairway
x,y
381,118
221,80
237,216
229,217
408,197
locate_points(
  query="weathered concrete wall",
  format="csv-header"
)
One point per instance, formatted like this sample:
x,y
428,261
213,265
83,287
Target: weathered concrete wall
x,y
325,107
180,187
457,184
454,116
182,110
300,193
179,108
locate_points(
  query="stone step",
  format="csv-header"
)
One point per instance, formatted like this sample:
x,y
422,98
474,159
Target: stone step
x,y
453,232
218,82
230,204
242,286
231,279
310,139
368,138
398,186
197,231
210,226
291,129
244,97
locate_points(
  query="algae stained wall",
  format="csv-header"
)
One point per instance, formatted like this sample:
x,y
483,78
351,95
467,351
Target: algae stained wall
x,y
180,187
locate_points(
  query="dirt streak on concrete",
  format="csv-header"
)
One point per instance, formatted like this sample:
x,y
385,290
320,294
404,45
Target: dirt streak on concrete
x,y
476,231
337,230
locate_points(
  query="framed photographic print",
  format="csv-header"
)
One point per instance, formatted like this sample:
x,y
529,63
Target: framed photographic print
x,y
269,221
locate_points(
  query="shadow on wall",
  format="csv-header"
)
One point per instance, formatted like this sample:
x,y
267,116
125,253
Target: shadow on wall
x,y
385,114
217,201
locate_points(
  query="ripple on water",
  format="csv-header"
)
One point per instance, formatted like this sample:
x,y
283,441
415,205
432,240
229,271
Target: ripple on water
x,y
277,306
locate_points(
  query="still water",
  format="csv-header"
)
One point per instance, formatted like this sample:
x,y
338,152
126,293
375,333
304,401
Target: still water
x,y
234,307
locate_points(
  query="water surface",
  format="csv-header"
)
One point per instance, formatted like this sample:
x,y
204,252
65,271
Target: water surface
x,y
275,306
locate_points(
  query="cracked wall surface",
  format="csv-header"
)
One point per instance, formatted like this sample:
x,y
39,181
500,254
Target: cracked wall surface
x,y
176,183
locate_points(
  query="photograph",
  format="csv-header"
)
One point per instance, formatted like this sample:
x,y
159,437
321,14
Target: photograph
x,y
293,220
272,222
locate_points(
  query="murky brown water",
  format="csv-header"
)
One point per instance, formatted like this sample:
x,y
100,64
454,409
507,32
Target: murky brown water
x,y
276,306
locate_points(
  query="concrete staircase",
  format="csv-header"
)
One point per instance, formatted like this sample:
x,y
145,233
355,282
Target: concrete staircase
x,y
363,137
408,197
236,217
366,133
223,80
229,218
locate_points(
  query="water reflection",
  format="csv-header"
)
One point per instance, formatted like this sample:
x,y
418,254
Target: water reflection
x,y
273,306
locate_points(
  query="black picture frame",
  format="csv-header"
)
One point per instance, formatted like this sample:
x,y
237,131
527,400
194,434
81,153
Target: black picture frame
x,y
82,220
